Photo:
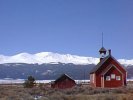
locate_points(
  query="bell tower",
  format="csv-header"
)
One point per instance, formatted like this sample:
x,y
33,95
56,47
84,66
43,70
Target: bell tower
x,y
102,51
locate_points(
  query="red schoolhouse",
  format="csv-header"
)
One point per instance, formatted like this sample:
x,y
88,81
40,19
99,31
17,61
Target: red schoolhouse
x,y
108,73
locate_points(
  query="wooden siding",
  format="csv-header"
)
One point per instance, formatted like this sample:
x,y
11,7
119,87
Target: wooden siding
x,y
113,82
118,70
64,84
92,80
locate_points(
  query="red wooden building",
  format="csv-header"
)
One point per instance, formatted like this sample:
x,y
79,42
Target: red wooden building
x,y
108,72
63,82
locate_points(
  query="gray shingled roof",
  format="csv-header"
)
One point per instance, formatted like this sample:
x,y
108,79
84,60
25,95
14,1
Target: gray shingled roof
x,y
62,77
102,62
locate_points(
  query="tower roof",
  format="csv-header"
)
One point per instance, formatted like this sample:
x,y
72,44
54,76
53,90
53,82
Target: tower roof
x,y
102,49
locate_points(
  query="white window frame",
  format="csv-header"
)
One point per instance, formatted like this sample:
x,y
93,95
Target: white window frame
x,y
113,76
118,78
108,78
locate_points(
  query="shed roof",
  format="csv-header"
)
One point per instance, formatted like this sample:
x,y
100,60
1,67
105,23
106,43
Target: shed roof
x,y
63,77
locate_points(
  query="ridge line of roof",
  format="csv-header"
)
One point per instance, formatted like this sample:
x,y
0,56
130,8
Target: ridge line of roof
x,y
62,76
104,60
99,64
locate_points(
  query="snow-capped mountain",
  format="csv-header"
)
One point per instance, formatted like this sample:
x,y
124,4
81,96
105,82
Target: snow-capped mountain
x,y
48,65
49,57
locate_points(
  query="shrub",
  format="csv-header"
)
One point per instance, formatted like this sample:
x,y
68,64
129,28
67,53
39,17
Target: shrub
x,y
30,82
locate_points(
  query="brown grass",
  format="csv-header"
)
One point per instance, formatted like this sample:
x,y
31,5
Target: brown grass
x,y
18,92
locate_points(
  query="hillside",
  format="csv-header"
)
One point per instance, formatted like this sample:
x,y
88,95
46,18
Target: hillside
x,y
48,71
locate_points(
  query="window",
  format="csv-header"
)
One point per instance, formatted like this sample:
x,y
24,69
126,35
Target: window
x,y
118,78
112,76
107,78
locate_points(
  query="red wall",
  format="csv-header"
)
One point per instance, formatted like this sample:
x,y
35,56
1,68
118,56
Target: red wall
x,y
121,69
99,71
103,67
113,82
64,84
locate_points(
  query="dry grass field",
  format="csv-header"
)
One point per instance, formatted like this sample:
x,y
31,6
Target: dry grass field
x,y
44,92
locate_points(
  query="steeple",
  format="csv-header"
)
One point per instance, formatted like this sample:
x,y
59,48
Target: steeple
x,y
102,51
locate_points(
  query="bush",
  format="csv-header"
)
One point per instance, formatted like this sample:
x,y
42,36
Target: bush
x,y
30,82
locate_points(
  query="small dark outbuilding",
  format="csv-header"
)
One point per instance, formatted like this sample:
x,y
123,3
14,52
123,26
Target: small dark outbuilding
x,y
63,82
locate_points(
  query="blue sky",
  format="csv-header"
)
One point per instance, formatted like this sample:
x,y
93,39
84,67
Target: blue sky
x,y
66,26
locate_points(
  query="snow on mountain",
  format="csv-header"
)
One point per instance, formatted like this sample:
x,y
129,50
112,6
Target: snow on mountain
x,y
49,57
126,62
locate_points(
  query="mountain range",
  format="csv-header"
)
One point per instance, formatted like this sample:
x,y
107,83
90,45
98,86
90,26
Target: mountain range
x,y
49,66
50,57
